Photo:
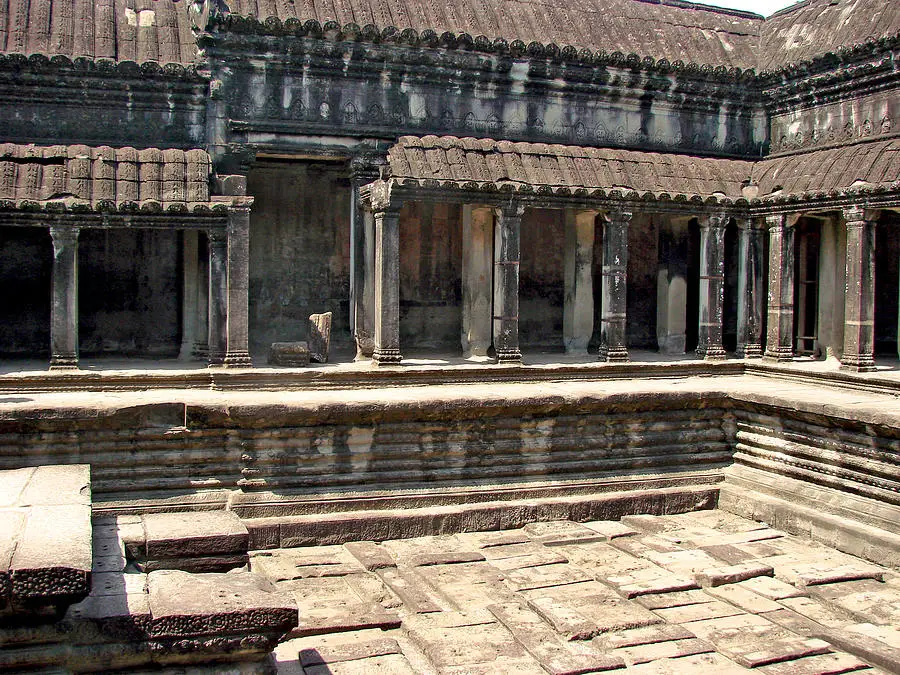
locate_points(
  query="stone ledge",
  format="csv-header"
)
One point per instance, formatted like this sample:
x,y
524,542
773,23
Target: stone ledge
x,y
45,540
808,519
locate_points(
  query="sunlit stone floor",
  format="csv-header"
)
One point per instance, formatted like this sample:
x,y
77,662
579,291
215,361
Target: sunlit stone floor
x,y
703,592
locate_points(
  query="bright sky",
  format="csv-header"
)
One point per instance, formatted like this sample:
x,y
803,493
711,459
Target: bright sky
x,y
764,7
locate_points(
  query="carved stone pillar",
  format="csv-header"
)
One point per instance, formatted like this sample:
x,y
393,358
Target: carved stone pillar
x,y
238,270
201,343
477,277
189,294
671,289
859,302
578,303
780,328
712,287
750,289
64,302
387,285
362,268
507,232
614,274
218,297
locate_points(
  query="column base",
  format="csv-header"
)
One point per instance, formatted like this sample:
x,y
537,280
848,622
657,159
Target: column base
x,y
386,357
237,360
215,360
779,354
858,364
64,363
749,351
711,353
509,356
613,355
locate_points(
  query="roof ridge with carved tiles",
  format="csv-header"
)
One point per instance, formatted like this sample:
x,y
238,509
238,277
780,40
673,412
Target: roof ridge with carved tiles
x,y
159,31
473,163
91,178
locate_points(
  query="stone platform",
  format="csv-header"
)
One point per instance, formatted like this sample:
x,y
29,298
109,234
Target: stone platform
x,y
703,592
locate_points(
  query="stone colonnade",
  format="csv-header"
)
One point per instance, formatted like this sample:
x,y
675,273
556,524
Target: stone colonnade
x,y
859,299
219,306
490,284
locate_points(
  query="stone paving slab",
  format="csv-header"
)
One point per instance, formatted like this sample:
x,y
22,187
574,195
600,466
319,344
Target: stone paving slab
x,y
565,597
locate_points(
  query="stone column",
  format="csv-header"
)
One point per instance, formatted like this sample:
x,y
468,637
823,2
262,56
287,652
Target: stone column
x,y
189,294
507,231
859,303
238,272
362,271
578,303
387,286
750,289
614,274
712,287
218,297
477,262
671,289
64,302
780,328
201,343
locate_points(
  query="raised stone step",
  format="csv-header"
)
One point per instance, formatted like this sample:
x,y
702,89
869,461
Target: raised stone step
x,y
204,541
45,540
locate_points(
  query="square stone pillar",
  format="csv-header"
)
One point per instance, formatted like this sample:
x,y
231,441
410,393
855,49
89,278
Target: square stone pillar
x,y
387,286
780,328
712,287
578,302
218,297
477,280
671,287
750,289
201,342
64,300
189,294
859,302
362,269
613,292
238,270
507,233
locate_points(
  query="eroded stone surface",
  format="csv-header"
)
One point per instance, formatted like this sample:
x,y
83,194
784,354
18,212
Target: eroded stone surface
x,y
558,597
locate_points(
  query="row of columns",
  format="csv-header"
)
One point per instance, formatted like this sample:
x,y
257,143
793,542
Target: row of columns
x,y
859,298
223,300
490,285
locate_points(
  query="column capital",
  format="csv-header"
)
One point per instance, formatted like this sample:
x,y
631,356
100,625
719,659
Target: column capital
x,y
713,220
64,233
217,235
511,209
617,216
781,220
748,223
859,214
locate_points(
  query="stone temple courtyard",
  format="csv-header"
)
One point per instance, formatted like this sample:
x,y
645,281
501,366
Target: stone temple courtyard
x,y
702,592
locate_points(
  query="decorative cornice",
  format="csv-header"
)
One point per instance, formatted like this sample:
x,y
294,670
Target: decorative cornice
x,y
81,66
234,25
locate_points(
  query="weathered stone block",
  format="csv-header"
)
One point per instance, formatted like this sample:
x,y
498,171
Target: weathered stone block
x,y
289,354
319,337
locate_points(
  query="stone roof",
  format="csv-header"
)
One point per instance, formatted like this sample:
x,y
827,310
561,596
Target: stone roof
x,y
472,163
861,166
809,29
486,164
671,29
92,178
120,30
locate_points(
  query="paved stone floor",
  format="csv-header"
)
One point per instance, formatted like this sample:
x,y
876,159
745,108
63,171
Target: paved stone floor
x,y
704,592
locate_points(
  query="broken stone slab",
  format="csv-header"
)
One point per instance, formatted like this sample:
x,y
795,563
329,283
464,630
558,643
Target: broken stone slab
x,y
319,337
289,354
731,574
202,541
51,566
217,613
372,556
